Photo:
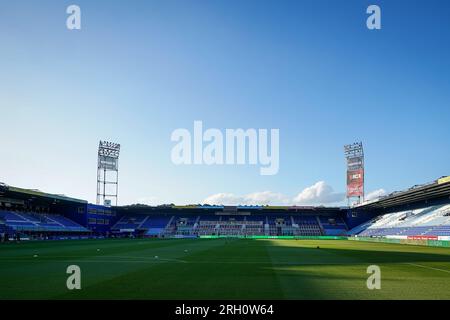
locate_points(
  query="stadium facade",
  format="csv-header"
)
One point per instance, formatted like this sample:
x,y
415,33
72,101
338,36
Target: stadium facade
x,y
421,212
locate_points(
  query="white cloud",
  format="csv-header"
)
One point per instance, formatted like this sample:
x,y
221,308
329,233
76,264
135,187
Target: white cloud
x,y
255,198
151,201
375,194
319,193
223,198
266,197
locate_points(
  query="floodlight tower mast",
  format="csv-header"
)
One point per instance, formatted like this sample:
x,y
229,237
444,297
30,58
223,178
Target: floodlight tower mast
x,y
354,154
108,172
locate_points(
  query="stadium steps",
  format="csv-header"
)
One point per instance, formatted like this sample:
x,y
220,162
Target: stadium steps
x,y
322,230
196,224
143,222
168,229
54,221
26,219
115,226
345,224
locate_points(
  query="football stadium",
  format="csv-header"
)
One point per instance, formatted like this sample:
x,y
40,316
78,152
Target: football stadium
x,y
226,252
273,155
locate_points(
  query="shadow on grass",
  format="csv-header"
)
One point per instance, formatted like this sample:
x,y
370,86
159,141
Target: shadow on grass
x,y
249,269
328,270
374,253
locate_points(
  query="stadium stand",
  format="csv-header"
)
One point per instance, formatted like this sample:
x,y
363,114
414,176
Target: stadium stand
x,y
131,222
307,226
419,211
432,220
333,226
155,225
29,221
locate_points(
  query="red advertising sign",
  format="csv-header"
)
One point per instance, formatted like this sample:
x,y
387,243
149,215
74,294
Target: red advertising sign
x,y
423,237
355,183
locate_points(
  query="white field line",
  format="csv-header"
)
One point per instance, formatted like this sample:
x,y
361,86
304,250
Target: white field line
x,y
100,259
427,267
152,260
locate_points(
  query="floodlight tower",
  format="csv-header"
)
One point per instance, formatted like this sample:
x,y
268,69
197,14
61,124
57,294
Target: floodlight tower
x,y
107,172
354,153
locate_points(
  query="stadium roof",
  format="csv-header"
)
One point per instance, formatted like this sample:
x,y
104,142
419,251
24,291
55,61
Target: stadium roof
x,y
434,190
239,210
25,193
437,189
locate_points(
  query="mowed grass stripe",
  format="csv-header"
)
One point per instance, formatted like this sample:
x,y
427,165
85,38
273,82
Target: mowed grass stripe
x,y
133,281
45,277
340,272
181,281
223,269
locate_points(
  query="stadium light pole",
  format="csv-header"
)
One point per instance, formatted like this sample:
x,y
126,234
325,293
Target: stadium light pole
x,y
107,172
354,154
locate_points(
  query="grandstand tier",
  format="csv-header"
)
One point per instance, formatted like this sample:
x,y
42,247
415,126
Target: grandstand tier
x,y
31,221
425,221
242,221
422,211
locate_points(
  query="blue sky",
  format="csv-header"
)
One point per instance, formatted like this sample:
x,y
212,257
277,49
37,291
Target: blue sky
x,y
137,70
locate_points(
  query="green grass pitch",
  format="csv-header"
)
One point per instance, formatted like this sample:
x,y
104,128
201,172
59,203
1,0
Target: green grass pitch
x,y
222,269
